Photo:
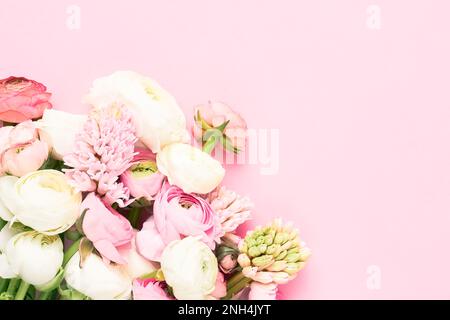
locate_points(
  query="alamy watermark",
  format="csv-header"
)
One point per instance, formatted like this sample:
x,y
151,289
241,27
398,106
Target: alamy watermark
x,y
373,281
73,20
373,20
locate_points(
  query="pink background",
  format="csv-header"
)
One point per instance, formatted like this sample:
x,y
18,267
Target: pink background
x,y
364,115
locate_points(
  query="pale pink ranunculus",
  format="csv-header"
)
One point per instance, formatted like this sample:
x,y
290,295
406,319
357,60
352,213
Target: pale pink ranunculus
x,y
21,151
149,289
260,291
106,228
149,242
220,289
178,214
143,179
215,114
22,99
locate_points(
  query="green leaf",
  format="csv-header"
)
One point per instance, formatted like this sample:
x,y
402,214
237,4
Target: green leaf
x,y
52,163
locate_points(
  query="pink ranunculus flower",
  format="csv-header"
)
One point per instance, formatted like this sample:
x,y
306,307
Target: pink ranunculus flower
x,y
21,151
260,291
215,114
149,242
22,99
106,228
143,179
149,289
178,214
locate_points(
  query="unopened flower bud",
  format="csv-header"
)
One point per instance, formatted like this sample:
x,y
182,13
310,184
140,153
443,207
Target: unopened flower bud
x,y
304,253
277,266
262,261
244,260
228,263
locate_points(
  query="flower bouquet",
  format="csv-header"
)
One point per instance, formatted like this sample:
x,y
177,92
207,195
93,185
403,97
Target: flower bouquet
x,y
118,204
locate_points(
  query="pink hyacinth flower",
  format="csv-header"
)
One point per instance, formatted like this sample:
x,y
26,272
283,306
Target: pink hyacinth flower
x,y
103,151
260,291
106,228
231,208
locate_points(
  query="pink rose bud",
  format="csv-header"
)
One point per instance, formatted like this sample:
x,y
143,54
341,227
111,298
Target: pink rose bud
x,y
213,116
22,99
227,263
106,228
21,151
143,179
149,289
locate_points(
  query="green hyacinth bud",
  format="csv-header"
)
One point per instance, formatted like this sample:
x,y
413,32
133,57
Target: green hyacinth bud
x,y
275,248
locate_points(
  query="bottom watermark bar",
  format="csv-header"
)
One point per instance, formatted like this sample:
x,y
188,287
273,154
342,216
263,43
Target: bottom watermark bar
x,y
229,309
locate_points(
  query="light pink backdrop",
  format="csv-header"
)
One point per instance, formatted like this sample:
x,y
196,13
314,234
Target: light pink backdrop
x,y
364,115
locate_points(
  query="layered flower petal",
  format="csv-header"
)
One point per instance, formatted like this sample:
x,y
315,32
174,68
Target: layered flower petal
x,y
189,168
106,228
22,99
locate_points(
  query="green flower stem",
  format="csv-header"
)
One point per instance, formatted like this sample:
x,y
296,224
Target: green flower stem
x,y
46,295
2,223
235,279
71,251
3,284
13,285
236,287
210,144
133,216
22,291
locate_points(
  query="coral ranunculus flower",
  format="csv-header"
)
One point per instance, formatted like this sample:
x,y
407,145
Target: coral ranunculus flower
x,y
22,99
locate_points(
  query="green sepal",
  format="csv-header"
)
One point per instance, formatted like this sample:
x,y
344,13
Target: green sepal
x,y
226,143
71,294
79,222
85,249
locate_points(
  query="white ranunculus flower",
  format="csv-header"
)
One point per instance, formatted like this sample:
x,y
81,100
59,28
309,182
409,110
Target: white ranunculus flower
x,y
97,280
59,129
42,200
5,235
158,119
190,268
6,185
35,257
190,168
